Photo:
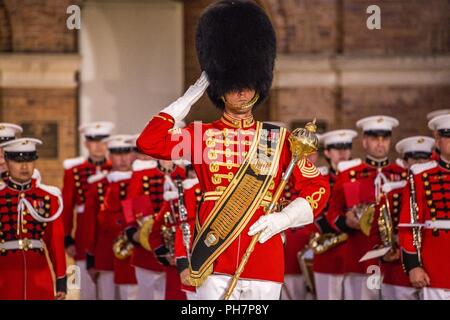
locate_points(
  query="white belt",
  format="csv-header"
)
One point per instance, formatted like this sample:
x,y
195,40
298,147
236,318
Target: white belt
x,y
22,244
80,208
429,224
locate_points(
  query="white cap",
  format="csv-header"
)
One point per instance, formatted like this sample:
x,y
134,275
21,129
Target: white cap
x,y
342,136
21,145
377,123
8,131
436,113
133,139
440,122
119,141
96,129
415,144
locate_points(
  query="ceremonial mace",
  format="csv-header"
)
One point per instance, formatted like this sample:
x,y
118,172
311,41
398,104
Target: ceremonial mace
x,y
303,142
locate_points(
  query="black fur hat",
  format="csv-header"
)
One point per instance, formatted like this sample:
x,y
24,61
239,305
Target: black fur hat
x,y
236,46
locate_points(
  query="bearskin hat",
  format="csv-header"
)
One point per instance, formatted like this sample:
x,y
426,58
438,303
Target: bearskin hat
x,y
236,46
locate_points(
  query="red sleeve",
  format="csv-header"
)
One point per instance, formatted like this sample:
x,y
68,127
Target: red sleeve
x,y
337,207
69,197
157,141
311,185
92,207
54,241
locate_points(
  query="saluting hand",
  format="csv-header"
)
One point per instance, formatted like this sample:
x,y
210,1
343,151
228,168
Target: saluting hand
x,y
180,108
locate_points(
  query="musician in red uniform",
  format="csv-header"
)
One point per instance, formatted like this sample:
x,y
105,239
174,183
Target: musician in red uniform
x,y
147,185
76,173
396,285
239,161
98,256
329,266
162,241
111,221
8,132
426,261
30,226
359,184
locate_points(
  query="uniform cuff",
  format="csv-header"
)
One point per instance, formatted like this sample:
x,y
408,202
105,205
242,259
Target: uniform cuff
x,y
182,264
61,284
323,225
342,226
68,241
130,233
410,260
161,253
90,261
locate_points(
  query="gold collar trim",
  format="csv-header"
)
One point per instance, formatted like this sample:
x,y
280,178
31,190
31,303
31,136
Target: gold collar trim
x,y
237,123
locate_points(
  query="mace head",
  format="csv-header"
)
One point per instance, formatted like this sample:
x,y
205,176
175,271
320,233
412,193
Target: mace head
x,y
304,141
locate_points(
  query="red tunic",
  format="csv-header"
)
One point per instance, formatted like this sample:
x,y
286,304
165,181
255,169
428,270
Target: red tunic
x,y
331,261
358,182
98,239
112,221
149,180
76,173
432,186
26,274
216,151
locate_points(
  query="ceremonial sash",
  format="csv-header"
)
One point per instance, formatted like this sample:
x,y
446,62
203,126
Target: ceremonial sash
x,y
240,200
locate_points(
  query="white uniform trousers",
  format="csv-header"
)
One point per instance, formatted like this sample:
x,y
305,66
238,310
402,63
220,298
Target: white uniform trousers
x,y
106,286
128,291
435,294
329,286
88,288
356,288
294,288
393,292
151,284
191,295
215,286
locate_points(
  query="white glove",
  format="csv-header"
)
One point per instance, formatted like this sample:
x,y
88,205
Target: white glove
x,y
189,183
169,184
180,108
170,195
296,214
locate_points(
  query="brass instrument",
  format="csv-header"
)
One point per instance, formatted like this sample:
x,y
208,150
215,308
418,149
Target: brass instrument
x,y
303,142
414,216
385,225
145,228
321,243
168,233
305,262
122,248
365,213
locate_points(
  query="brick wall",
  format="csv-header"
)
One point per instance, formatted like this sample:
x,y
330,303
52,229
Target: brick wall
x,y
45,107
40,25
